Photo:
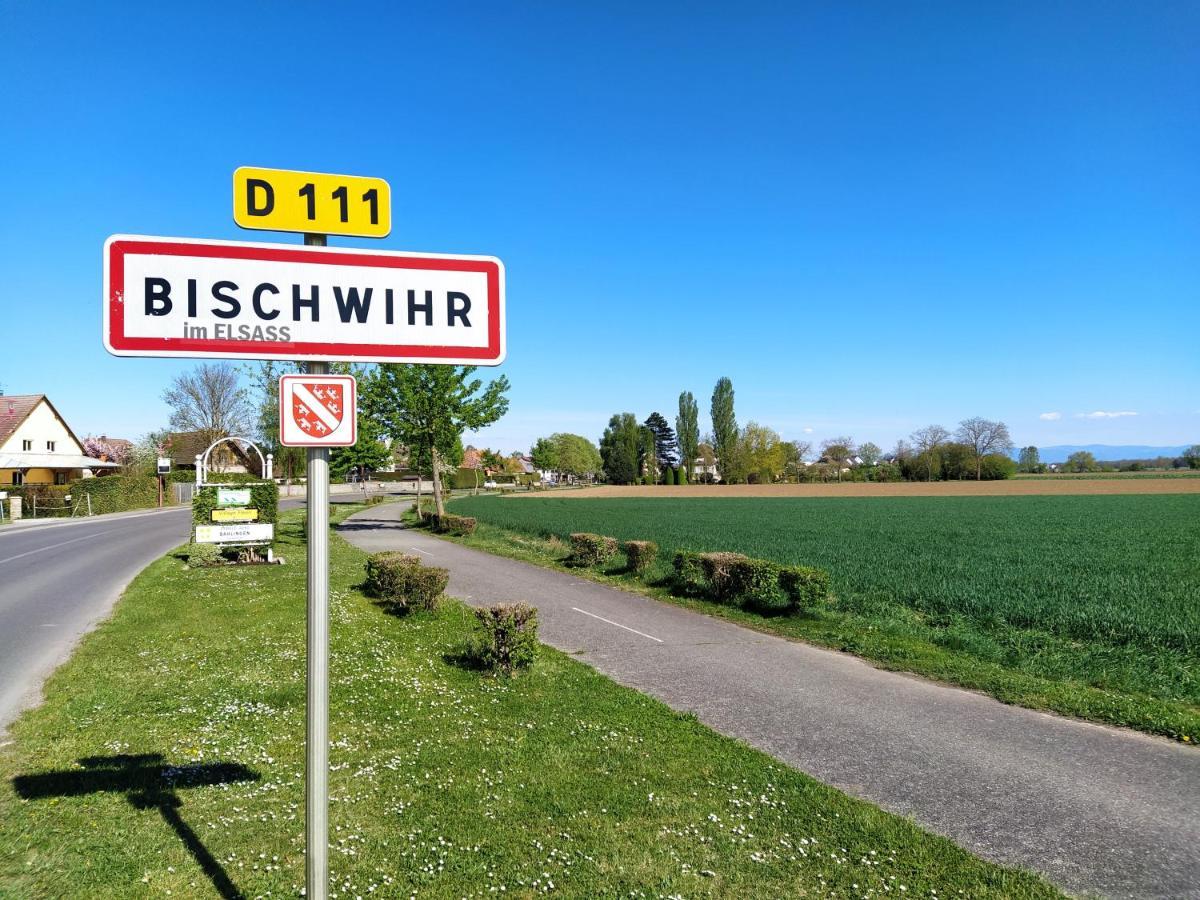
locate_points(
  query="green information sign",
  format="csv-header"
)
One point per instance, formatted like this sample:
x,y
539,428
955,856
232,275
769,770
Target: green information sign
x,y
233,496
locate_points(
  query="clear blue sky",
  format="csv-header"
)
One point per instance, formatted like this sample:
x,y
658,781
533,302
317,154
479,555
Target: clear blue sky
x,y
869,216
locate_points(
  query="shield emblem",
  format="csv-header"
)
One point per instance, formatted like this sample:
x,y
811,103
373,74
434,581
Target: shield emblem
x,y
317,407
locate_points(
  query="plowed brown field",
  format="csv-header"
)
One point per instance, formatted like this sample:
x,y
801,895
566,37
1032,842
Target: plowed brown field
x,y
1019,487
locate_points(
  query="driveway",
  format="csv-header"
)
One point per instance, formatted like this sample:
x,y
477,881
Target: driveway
x,y
1097,810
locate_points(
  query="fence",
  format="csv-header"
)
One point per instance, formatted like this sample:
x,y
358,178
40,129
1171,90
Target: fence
x,y
49,508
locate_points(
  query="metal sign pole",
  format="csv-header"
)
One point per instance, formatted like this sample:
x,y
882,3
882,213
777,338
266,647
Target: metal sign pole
x,y
316,819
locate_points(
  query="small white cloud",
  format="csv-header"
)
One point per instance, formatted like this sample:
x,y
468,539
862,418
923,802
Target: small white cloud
x,y
1050,417
808,431
1104,414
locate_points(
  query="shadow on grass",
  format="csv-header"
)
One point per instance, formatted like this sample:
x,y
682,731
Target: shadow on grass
x,y
147,782
463,658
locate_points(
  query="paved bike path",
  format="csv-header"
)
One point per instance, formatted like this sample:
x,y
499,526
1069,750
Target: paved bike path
x,y
1098,810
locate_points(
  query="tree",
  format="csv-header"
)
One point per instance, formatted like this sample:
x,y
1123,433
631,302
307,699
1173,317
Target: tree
x,y
794,453
209,400
761,453
983,436
544,455
869,453
1030,460
619,448
368,453
647,454
427,408
1081,461
1192,456
567,454
687,430
103,449
264,399
725,429
837,452
927,440
666,448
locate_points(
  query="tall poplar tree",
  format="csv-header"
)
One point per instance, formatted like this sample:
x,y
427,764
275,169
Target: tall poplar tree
x,y
724,422
687,430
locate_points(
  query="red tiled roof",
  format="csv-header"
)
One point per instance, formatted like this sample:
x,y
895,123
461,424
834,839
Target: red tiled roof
x,y
14,410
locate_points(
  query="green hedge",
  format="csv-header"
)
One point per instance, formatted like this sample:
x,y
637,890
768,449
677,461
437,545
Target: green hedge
x,y
591,549
640,555
757,584
403,583
117,493
264,496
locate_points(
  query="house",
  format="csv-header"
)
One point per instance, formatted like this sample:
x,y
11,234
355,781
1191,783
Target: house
x,y
182,447
38,447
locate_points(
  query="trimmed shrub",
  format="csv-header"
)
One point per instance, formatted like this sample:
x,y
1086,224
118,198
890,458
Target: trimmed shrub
x,y
203,556
460,526
718,568
117,493
505,637
689,574
640,555
264,496
591,549
755,583
804,586
403,583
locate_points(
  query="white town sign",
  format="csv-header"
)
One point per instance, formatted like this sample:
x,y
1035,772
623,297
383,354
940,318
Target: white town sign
x,y
223,299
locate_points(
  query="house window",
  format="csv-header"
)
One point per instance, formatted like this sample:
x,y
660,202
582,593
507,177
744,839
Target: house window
x,y
18,478
60,477
26,445
50,446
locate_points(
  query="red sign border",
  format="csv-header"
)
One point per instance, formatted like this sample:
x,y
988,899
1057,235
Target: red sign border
x,y
353,408
119,344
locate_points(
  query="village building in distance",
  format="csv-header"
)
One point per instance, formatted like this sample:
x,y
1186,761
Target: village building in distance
x,y
38,447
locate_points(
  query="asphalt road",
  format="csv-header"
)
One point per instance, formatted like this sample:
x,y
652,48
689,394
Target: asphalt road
x,y
58,579
1097,810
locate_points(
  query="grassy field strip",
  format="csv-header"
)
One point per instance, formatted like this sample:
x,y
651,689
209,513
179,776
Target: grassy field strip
x,y
1188,483
167,760
1083,605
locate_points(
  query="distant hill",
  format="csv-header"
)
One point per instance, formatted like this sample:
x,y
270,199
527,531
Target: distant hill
x,y
1102,452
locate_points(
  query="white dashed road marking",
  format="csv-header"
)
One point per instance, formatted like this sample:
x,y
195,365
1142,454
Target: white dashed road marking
x,y
54,546
618,624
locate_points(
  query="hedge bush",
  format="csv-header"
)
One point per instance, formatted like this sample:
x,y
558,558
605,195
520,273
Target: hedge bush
x,y
591,549
402,582
804,586
460,526
264,496
718,571
689,574
755,583
640,555
118,493
505,637
203,556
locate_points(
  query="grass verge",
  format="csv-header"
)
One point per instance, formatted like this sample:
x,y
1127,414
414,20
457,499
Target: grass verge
x,y
1024,667
168,760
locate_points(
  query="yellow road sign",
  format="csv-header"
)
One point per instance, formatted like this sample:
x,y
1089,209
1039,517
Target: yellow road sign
x,y
311,202
235,515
